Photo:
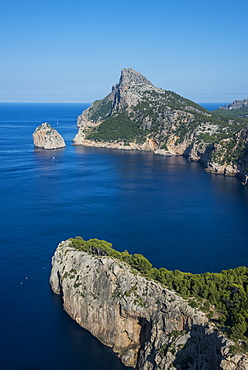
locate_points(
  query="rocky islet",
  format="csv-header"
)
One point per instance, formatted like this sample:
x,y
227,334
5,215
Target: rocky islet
x,y
46,137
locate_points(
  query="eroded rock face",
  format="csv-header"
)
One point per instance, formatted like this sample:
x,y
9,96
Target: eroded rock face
x,y
46,137
148,326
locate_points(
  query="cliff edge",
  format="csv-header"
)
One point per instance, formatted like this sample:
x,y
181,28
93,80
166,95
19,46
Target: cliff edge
x,y
147,325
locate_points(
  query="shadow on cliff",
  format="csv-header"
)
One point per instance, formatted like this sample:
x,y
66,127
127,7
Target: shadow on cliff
x,y
203,156
145,331
202,351
145,336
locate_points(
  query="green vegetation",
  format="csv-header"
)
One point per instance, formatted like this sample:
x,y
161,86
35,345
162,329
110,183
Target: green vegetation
x,y
231,151
241,112
116,128
131,126
103,248
100,109
172,100
226,291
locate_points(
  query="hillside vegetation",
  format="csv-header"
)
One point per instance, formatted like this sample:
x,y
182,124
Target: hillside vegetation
x,y
237,113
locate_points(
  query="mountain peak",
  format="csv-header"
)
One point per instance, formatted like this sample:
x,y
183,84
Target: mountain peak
x,y
131,77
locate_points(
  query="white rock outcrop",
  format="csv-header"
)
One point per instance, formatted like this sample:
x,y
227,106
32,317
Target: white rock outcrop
x,y
46,137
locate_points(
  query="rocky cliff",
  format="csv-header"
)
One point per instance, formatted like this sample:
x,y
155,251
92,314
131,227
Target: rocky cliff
x,y
236,104
137,115
238,109
147,325
46,137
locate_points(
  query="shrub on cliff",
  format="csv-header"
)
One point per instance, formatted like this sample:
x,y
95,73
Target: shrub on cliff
x,y
101,247
227,291
139,262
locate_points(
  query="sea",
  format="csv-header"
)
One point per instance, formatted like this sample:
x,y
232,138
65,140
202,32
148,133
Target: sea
x,y
167,208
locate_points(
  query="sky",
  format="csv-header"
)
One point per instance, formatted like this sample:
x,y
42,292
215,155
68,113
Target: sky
x,y
74,50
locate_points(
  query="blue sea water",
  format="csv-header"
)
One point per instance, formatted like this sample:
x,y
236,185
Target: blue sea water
x,y
167,208
212,106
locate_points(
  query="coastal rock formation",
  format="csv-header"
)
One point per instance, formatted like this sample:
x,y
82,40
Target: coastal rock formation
x,y
147,325
46,137
236,104
136,115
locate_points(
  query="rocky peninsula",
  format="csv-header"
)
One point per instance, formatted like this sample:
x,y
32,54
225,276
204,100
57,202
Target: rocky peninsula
x,y
149,326
136,115
236,104
237,109
46,137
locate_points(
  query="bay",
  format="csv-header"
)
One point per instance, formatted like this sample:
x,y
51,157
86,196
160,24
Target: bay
x,y
167,208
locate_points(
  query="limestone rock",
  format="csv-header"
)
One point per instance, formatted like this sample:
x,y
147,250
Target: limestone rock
x,y
147,325
46,137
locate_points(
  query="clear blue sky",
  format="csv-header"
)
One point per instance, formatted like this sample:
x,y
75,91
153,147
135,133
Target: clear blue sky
x,y
73,50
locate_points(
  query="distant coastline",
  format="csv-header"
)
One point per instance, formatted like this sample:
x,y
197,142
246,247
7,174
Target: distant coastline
x,y
212,106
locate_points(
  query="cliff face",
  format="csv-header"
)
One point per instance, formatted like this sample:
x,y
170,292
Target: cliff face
x,y
236,104
137,115
47,137
148,326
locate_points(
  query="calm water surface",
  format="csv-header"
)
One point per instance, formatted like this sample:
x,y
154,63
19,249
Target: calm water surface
x,y
166,208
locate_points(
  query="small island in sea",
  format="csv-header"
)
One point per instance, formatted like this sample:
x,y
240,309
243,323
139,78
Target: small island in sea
x,y
137,115
46,137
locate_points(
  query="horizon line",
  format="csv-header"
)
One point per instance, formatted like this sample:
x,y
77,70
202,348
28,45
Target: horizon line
x,y
69,102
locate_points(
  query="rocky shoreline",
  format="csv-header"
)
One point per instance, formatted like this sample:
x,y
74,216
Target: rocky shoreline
x,y
150,145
